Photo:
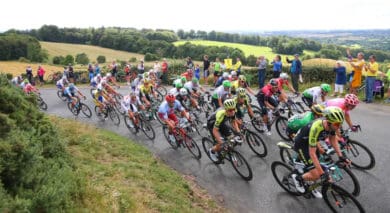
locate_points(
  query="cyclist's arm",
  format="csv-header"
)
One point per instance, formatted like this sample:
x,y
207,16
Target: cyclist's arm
x,y
250,90
220,102
315,130
348,120
313,157
268,105
250,111
335,145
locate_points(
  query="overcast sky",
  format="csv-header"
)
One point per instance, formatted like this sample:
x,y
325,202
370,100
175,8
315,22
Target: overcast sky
x,y
207,15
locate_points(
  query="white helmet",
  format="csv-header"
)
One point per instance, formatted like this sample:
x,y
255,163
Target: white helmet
x,y
284,75
225,75
98,75
183,92
234,73
108,75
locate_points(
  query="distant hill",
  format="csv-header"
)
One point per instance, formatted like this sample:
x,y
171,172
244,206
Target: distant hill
x,y
57,49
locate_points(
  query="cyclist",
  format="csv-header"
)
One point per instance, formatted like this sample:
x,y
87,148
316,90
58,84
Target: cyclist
x,y
283,80
137,82
70,93
175,91
166,112
17,80
233,76
310,96
220,94
221,124
266,101
307,143
188,75
184,98
130,104
100,98
296,122
193,87
146,91
225,76
181,80
96,80
241,82
242,105
348,103
109,79
62,83
29,88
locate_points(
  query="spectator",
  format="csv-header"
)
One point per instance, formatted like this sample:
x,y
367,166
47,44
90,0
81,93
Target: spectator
x,y
41,73
164,69
357,65
114,69
372,70
341,79
90,72
141,67
97,69
71,73
29,73
189,64
277,69
157,68
206,66
296,71
217,70
66,72
237,66
388,80
197,71
261,70
127,73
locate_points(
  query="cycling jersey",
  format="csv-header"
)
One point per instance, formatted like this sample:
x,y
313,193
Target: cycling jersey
x,y
313,93
265,94
29,88
70,92
60,83
165,110
146,90
97,98
220,121
281,82
184,100
298,121
174,91
241,108
129,104
338,102
191,87
220,92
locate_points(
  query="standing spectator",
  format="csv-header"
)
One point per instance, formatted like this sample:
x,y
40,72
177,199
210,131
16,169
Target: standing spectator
x,y
217,70
29,73
261,70
277,68
357,65
372,70
41,73
157,68
141,67
71,73
206,66
66,73
114,69
127,73
341,79
237,66
90,72
189,64
164,69
296,71
197,72
97,69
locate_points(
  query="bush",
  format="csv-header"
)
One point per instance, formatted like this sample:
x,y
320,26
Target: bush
x,y
69,59
133,59
150,57
24,60
82,58
58,59
101,59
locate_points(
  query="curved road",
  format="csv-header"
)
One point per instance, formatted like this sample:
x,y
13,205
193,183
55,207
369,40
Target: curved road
x,y
262,194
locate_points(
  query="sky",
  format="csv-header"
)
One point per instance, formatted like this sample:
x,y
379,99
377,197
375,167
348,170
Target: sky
x,y
206,15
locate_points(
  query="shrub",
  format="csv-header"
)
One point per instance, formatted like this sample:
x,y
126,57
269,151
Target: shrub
x,y
82,58
101,59
58,59
69,59
24,60
133,59
150,57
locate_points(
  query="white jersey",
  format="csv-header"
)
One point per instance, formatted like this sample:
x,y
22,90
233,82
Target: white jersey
x,y
220,92
314,93
128,104
173,91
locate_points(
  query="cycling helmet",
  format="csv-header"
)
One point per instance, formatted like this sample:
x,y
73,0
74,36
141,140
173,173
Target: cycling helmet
x,y
317,109
98,75
183,92
195,80
284,75
351,99
108,75
273,82
242,78
133,94
170,98
229,104
183,79
71,86
146,75
225,75
227,83
178,85
241,92
325,87
99,88
334,114
234,73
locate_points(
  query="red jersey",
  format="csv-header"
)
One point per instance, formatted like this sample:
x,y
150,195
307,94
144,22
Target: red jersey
x,y
267,90
281,82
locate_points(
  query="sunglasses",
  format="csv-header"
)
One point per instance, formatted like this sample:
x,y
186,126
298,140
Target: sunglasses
x,y
231,110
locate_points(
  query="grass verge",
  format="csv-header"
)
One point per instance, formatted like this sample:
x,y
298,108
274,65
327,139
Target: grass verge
x,y
121,176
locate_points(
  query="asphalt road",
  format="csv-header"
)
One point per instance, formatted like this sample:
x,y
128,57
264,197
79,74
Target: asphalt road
x,y
262,194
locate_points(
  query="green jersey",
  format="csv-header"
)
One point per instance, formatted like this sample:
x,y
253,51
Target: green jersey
x,y
296,122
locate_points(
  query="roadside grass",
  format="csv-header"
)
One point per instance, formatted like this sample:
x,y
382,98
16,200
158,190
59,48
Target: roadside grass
x,y
122,176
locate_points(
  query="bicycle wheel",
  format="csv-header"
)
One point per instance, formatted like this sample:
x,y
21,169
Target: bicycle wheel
x,y
161,90
91,91
73,109
43,105
256,143
347,180
286,155
61,96
99,115
174,143
339,200
281,126
257,121
360,155
207,144
114,116
85,110
241,165
282,174
147,129
160,97
158,118
130,124
193,147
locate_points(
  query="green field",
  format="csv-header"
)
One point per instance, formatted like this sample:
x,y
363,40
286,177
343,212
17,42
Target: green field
x,y
247,49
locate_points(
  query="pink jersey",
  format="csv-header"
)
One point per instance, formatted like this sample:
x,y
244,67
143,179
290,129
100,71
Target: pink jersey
x,y
338,102
29,88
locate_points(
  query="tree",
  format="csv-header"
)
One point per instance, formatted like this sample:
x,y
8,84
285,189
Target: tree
x,y
101,59
69,59
82,58
58,59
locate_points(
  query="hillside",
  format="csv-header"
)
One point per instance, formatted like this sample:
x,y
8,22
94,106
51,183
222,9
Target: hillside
x,y
56,49
247,49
